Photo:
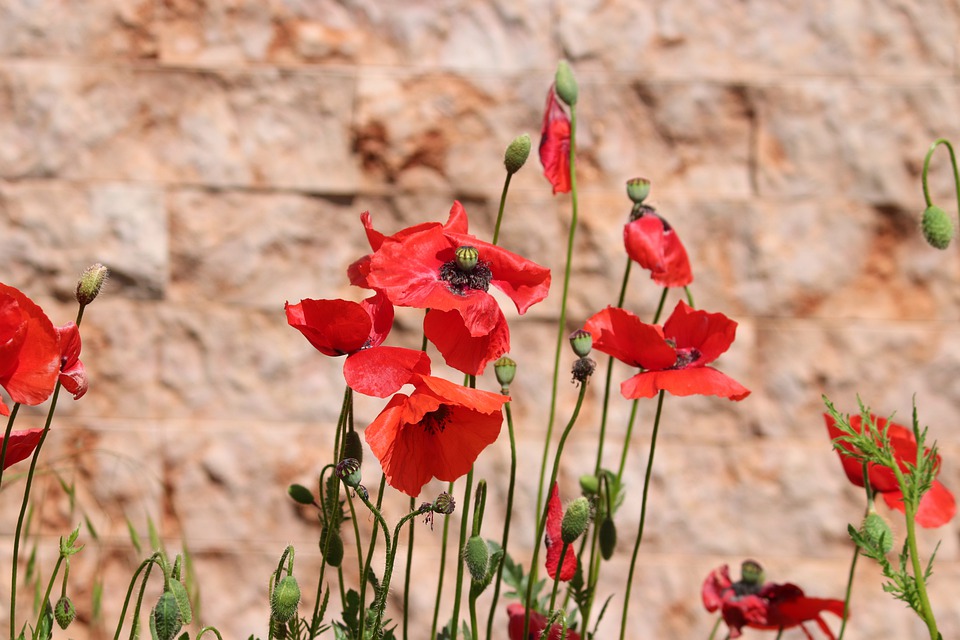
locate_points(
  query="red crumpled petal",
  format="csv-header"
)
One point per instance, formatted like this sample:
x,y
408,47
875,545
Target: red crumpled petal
x,y
714,586
333,327
380,310
624,336
704,381
29,349
73,375
381,371
458,345
554,543
555,144
21,445
538,622
657,248
709,333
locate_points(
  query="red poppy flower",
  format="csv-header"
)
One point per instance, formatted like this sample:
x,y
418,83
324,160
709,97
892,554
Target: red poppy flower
x,y
422,269
357,330
554,543
653,244
673,358
436,432
22,444
767,606
29,350
937,507
555,144
73,375
538,622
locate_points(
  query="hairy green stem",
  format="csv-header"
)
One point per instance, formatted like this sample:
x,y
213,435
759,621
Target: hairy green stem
x,y
443,564
926,169
464,523
507,517
856,552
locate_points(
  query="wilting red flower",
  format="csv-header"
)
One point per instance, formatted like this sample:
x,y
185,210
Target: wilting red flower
x,y
21,445
421,268
937,507
357,330
555,143
436,432
653,244
554,543
73,375
673,358
29,350
769,606
538,622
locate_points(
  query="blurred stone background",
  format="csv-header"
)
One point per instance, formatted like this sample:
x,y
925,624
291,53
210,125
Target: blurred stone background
x,y
217,156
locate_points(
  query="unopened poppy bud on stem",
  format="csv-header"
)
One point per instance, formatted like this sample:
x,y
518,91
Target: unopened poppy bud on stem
x,y
517,153
506,370
353,447
91,280
876,530
575,520
638,189
936,226
284,600
565,84
64,612
476,555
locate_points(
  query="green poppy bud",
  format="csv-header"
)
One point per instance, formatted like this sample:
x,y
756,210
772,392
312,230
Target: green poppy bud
x,y
575,520
300,494
476,555
876,530
348,470
751,572
165,618
64,612
506,370
936,226
582,342
467,258
608,538
565,84
589,484
638,189
517,153
91,280
444,504
353,447
331,545
284,600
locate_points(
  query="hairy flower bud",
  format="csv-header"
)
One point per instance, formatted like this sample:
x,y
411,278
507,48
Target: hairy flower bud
x,y
582,342
476,555
936,226
575,520
517,153
638,189
876,530
331,545
608,538
166,619
300,494
354,447
284,600
91,280
64,612
589,484
565,84
506,370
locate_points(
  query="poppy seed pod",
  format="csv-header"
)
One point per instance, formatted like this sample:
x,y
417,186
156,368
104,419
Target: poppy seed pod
x,y
751,572
506,370
64,612
517,153
348,470
566,84
638,189
936,226
476,555
284,600
575,520
166,619
467,258
582,342
91,280
444,504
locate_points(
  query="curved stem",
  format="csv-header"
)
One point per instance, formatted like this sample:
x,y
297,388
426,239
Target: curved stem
x,y
133,581
443,564
381,601
212,630
561,324
365,574
506,519
643,515
542,523
926,169
503,202
6,437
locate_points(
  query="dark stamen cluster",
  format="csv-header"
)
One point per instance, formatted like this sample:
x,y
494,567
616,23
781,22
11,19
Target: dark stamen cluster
x,y
436,421
583,368
640,210
685,357
462,281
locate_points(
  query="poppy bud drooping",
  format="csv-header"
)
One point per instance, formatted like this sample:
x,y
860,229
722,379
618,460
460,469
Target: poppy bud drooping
x,y
166,619
331,546
506,370
64,612
638,189
589,484
877,532
565,84
353,447
91,280
937,228
608,538
517,153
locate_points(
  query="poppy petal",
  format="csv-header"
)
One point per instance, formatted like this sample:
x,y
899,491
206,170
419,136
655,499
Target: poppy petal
x,y
554,543
624,336
382,371
658,249
460,348
555,144
380,310
29,349
333,327
22,444
937,507
73,375
705,381
711,334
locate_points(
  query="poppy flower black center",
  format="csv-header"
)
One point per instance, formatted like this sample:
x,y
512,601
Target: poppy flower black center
x,y
460,281
436,421
743,588
686,357
640,210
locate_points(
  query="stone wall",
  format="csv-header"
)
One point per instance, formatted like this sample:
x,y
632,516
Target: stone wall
x,y
217,155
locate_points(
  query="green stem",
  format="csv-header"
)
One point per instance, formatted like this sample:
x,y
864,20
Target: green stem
x,y
365,574
561,324
507,517
443,564
926,169
381,602
663,299
626,440
643,516
503,202
133,581
46,596
6,437
464,523
925,608
716,625
542,524
408,570
556,577
856,552
212,630
391,560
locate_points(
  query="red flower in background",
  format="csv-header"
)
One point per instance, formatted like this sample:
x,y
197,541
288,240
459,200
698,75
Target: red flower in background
x,y
21,445
73,375
29,350
750,603
436,432
674,358
554,543
357,330
538,622
555,144
446,270
653,244
937,507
